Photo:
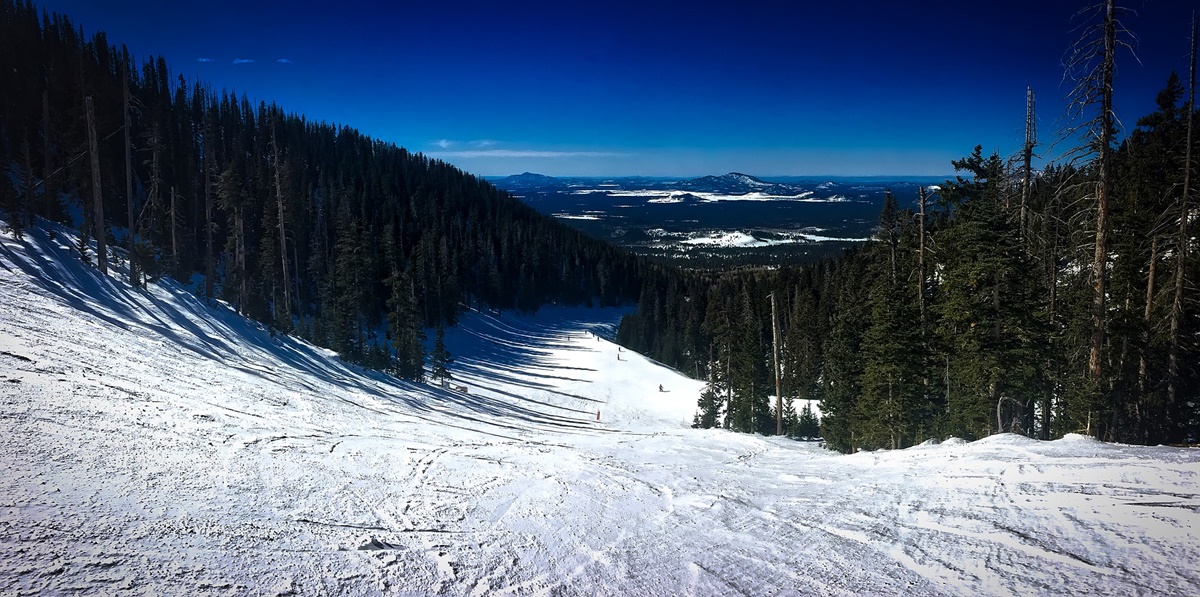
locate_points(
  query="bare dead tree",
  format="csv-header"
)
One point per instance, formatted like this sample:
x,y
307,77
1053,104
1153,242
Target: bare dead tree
x,y
1027,155
922,204
1091,64
97,197
1181,248
133,275
287,292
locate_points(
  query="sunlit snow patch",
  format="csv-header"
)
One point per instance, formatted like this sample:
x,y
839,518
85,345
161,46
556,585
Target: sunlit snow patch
x,y
567,216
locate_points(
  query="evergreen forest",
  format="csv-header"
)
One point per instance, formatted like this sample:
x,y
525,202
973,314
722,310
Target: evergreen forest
x,y
312,228
1045,301
971,312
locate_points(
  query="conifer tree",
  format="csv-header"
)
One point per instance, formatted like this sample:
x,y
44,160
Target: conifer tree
x,y
708,407
891,374
440,358
808,425
988,311
405,329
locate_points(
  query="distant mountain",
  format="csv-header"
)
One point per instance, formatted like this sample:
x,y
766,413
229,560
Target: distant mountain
x,y
735,183
526,180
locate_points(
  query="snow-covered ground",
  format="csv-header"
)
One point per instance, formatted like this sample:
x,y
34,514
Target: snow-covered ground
x,y
152,444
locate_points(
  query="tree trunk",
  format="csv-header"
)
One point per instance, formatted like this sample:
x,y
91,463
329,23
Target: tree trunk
x,y
243,293
24,215
209,269
1182,238
48,192
775,352
174,238
287,292
1030,143
1100,261
97,197
1146,316
133,275
922,198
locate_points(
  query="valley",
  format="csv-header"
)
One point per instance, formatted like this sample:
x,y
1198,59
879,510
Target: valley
x,y
719,221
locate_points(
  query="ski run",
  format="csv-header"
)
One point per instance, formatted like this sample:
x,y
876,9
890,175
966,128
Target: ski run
x,y
152,444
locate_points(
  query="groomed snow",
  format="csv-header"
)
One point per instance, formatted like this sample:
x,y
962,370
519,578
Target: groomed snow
x,y
151,444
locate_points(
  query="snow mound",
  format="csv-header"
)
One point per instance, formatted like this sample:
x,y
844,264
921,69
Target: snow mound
x,y
1005,439
1077,438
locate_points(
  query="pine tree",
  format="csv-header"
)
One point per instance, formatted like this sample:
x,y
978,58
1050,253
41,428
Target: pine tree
x,y
709,411
842,376
808,425
988,309
405,329
440,357
887,411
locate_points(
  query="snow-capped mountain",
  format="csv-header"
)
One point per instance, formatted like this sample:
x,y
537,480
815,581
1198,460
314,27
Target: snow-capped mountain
x,y
735,183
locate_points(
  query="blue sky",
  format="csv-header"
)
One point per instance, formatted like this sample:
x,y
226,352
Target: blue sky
x,y
654,88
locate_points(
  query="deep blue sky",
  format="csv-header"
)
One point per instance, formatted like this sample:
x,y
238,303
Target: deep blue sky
x,y
654,88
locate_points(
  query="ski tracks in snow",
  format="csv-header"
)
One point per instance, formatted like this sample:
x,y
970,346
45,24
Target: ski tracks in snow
x,y
152,444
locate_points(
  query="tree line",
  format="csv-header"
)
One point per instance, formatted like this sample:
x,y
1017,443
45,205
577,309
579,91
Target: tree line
x,y
316,229
1006,300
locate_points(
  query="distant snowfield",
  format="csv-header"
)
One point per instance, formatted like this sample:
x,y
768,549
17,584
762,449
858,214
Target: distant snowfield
x,y
152,444
667,196
737,238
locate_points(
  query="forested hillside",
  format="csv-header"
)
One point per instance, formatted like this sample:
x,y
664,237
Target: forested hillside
x,y
969,314
314,228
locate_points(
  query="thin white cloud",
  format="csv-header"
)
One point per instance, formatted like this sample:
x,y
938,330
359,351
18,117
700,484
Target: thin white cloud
x,y
284,61
444,143
483,143
243,60
204,60
520,153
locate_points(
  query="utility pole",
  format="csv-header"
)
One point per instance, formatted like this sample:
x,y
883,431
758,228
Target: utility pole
x,y
97,197
775,350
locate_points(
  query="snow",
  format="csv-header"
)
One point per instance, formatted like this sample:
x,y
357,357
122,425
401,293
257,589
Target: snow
x,y
736,238
153,444
728,239
569,216
669,197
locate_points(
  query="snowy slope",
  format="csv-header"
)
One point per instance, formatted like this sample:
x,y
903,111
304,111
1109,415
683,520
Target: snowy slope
x,y
151,443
